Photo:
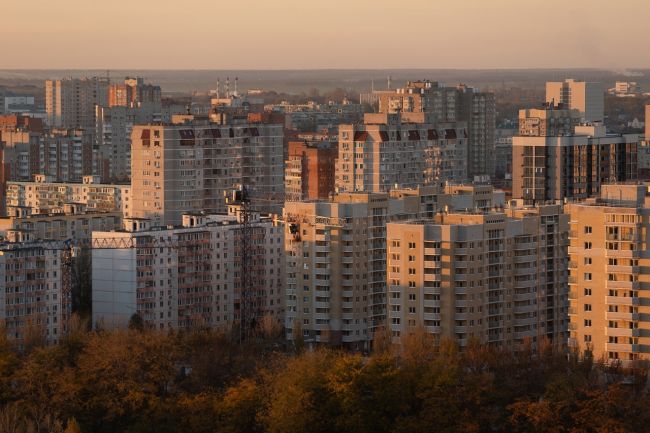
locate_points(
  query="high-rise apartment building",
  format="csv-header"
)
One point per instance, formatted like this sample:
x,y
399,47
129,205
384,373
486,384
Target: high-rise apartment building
x,y
549,121
402,150
586,97
609,280
132,93
498,277
70,102
63,154
35,290
188,165
335,252
66,155
452,104
186,276
571,166
309,169
112,139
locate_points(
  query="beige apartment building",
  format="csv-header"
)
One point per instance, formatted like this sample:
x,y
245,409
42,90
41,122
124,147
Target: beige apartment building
x,y
610,274
186,276
402,150
451,104
74,223
335,252
548,121
586,97
189,164
44,196
498,277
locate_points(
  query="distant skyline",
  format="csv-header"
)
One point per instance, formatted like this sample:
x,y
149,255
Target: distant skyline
x,y
317,34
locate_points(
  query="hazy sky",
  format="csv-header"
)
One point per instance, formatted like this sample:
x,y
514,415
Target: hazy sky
x,y
289,34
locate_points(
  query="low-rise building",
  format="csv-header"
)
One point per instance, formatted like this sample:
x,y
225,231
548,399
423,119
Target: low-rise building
x,y
46,196
74,223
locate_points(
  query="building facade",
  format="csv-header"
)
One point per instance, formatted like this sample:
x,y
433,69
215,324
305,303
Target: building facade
x,y
609,264
497,277
452,104
132,93
187,276
35,297
44,196
392,151
187,166
74,223
309,170
586,97
70,102
335,252
572,166
549,121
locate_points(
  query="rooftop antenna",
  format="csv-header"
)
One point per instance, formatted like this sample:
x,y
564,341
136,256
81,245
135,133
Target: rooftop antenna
x,y
227,87
218,85
236,80
389,82
372,85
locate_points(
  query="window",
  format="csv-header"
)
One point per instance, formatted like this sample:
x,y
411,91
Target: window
x,y
587,338
587,261
587,307
411,296
587,276
588,230
587,292
411,245
587,245
587,323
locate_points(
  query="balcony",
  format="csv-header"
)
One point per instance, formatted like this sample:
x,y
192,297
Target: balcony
x,y
524,296
622,300
616,315
623,269
622,284
525,309
626,254
525,246
621,332
618,347
432,329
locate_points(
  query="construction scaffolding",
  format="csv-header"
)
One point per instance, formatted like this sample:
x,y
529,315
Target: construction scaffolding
x,y
248,272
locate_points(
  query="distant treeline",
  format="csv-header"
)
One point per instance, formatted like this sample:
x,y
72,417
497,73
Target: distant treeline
x,y
205,382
